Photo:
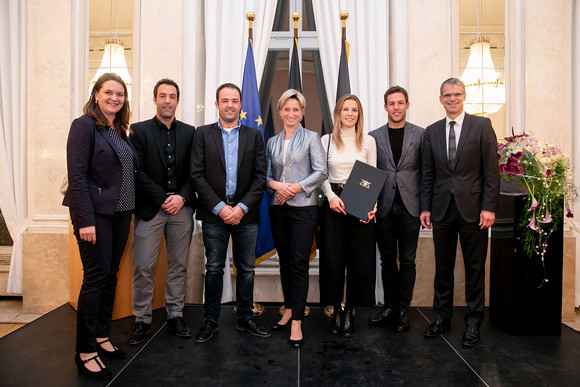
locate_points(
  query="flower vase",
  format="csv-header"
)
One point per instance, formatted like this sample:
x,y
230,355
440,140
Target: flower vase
x,y
525,295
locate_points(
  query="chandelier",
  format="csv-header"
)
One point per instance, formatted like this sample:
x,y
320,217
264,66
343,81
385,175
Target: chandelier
x,y
483,86
114,59
114,62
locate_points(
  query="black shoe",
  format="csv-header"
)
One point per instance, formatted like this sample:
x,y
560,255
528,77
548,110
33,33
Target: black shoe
x,y
178,326
337,320
437,327
348,325
296,343
139,333
471,336
102,374
384,316
403,322
115,354
280,327
206,331
252,328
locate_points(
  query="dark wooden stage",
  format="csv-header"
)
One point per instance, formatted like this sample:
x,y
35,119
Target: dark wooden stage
x,y
41,354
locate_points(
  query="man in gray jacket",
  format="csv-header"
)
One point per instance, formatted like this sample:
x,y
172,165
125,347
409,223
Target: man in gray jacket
x,y
398,153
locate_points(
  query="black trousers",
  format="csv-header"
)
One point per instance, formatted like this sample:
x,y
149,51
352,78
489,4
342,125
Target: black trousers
x,y
474,248
347,243
100,266
293,232
397,237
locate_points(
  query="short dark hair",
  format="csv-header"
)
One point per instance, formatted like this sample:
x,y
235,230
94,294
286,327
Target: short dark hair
x,y
227,85
165,81
452,81
396,89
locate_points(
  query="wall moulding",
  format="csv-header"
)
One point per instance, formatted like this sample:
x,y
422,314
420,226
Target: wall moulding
x,y
48,224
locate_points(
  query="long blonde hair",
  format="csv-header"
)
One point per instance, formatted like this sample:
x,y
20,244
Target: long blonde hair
x,y
358,127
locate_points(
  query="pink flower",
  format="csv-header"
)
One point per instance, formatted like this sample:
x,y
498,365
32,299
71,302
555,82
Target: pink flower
x,y
513,138
513,167
501,146
517,155
532,224
569,213
534,205
548,172
547,218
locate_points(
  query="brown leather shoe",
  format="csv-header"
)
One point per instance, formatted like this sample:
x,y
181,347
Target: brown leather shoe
x,y
252,328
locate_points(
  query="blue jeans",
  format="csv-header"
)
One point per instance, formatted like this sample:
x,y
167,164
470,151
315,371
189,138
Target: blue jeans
x,y
215,238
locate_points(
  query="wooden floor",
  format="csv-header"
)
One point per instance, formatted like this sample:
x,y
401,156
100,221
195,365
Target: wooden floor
x,y
8,328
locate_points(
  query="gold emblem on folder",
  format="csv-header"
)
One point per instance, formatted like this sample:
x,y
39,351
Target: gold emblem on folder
x,y
365,183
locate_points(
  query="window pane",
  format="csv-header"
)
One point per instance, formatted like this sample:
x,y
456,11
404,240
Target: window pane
x,y
282,17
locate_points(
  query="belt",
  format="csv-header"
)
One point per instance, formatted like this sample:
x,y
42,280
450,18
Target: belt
x,y
170,193
337,188
230,201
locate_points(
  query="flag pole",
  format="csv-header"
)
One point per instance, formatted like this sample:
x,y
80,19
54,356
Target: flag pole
x,y
296,18
343,16
250,16
257,309
342,88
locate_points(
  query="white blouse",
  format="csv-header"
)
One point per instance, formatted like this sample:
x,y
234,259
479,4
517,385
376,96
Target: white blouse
x,y
340,163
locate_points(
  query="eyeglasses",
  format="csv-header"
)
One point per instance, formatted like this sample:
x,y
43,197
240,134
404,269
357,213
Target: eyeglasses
x,y
449,95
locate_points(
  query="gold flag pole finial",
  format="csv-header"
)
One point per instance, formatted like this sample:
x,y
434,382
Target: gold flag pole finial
x,y
250,16
295,18
343,16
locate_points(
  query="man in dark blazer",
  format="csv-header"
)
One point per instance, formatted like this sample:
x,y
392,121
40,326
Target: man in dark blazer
x,y
229,175
399,153
165,204
459,196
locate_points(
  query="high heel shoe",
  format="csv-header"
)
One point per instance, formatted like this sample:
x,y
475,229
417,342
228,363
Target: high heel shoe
x,y
116,354
102,374
296,343
280,327
337,320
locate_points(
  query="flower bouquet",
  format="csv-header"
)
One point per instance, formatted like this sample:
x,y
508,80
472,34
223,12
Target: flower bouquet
x,y
546,177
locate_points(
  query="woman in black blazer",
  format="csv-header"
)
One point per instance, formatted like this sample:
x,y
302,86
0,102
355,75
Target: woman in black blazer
x,y
101,164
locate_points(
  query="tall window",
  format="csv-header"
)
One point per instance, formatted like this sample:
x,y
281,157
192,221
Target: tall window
x,y
111,39
275,78
489,21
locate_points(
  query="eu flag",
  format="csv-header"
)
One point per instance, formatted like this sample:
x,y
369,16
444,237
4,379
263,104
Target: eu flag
x,y
251,116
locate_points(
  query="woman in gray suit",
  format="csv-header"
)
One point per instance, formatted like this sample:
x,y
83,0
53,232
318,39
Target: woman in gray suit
x,y
296,168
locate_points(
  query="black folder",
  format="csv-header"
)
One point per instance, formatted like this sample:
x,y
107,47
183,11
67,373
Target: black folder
x,y
362,189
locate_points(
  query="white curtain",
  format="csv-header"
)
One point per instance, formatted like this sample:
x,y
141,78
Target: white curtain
x,y
367,31
13,130
226,42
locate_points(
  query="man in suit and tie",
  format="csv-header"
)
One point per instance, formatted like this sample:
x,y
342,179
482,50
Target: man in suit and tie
x,y
165,205
399,153
459,196
229,176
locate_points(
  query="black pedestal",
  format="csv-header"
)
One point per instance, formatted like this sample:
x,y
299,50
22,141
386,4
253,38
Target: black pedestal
x,y
517,301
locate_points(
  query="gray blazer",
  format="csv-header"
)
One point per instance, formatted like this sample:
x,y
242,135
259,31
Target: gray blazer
x,y
406,175
305,164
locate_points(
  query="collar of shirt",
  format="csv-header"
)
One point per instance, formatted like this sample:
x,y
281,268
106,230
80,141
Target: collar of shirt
x,y
162,126
456,127
458,123
228,129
